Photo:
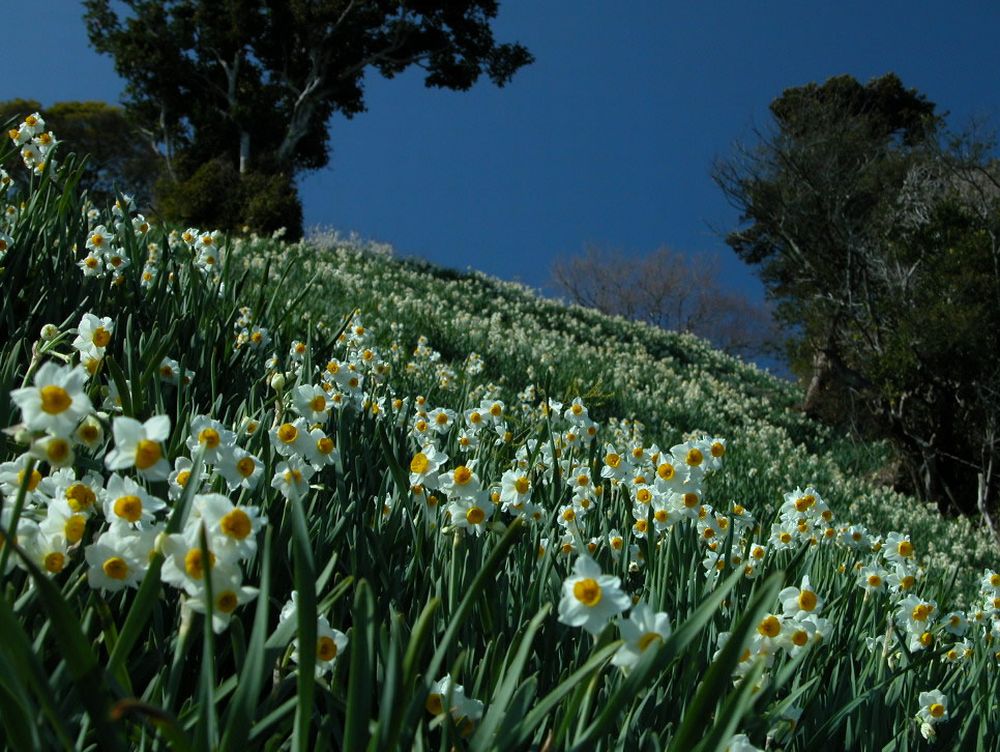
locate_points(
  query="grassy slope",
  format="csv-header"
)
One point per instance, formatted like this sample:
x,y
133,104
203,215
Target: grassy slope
x,y
672,384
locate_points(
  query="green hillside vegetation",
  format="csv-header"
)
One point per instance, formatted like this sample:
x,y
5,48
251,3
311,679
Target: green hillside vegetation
x,y
664,384
260,495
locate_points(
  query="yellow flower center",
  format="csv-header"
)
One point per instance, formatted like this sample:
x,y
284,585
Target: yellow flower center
x,y
324,445
419,463
209,438
648,639
129,508
80,497
326,648
441,419
115,568
661,515
905,549
612,460
694,457
769,626
568,514
642,525
521,485
617,542
475,515
921,611
874,581
245,466
785,537
587,591
936,710
462,475
644,496
226,602
236,524
804,502
995,580
33,481
194,565
54,562
434,704
800,637
101,337
293,475
718,449
55,399
318,403
147,454
288,433
74,527
690,500
807,600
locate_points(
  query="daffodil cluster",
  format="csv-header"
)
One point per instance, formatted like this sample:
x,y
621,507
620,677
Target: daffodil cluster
x,y
35,142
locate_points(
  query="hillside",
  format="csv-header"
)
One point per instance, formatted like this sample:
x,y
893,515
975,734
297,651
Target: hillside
x,y
666,386
259,495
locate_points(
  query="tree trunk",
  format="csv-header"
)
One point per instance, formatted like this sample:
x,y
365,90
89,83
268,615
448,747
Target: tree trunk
x,y
244,151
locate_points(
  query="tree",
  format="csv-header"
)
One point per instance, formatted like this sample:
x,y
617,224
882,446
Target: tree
x,y
877,238
667,289
120,158
253,83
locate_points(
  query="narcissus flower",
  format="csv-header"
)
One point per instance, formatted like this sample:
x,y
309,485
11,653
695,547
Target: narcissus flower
x,y
139,445
643,629
57,402
589,598
933,709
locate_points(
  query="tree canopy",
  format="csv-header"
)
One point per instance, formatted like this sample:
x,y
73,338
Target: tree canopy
x,y
253,83
878,236
120,158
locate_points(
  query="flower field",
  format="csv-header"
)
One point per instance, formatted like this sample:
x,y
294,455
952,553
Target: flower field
x,y
262,495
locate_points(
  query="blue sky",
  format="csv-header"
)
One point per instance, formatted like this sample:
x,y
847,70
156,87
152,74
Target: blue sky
x,y
607,138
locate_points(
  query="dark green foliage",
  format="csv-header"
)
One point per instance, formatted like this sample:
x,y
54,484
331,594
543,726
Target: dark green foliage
x,y
878,240
254,83
217,195
121,158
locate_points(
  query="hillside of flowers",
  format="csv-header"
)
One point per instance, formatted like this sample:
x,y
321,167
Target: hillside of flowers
x,y
258,495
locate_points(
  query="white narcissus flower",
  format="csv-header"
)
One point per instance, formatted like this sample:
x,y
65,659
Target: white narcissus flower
x,y
643,629
312,403
590,599
127,503
425,465
741,743
231,526
464,710
228,592
290,439
320,449
118,559
57,402
214,439
93,335
797,602
138,445
292,478
471,513
241,469
933,707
